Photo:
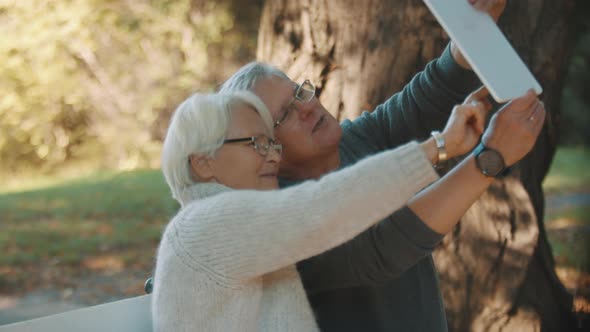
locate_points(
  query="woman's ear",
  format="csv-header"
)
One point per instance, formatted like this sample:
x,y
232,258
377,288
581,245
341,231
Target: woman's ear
x,y
201,168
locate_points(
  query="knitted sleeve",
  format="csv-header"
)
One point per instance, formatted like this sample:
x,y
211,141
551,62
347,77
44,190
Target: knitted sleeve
x,y
243,234
378,255
422,106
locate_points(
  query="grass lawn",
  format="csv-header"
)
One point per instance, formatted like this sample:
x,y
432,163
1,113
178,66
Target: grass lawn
x,y
570,170
568,223
73,222
112,220
568,226
568,232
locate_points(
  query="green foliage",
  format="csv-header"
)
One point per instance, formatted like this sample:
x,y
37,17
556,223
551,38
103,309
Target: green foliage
x,y
95,79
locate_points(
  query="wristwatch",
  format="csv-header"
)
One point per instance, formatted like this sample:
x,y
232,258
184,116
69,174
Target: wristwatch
x,y
490,162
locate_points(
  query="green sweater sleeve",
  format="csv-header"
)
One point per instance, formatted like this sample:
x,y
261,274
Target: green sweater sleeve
x,y
381,253
422,106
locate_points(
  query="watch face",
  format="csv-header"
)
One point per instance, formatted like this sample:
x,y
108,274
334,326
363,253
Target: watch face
x,y
490,162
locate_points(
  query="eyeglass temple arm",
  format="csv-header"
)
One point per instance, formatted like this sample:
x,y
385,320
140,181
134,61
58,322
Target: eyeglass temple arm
x,y
246,139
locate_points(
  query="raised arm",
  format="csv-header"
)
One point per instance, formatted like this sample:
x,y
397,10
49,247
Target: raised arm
x,y
399,241
422,106
381,253
425,103
244,234
512,132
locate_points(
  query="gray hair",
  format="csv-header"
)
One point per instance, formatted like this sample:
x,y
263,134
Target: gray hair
x,y
199,126
246,77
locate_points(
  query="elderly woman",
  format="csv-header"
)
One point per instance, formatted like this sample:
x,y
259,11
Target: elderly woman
x,y
226,260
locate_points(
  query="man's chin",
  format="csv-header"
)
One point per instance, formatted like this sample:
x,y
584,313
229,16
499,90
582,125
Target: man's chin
x,y
328,134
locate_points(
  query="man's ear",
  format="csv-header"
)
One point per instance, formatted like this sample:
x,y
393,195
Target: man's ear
x,y
201,168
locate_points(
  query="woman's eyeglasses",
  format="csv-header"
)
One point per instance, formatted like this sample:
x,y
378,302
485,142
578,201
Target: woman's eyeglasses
x,y
262,144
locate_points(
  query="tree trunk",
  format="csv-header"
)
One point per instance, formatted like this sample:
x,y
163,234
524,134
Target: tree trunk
x,y
496,268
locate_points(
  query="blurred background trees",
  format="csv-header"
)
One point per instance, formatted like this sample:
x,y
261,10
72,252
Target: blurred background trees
x,y
97,80
94,82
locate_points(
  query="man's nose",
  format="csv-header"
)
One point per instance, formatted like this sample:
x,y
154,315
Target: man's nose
x,y
304,109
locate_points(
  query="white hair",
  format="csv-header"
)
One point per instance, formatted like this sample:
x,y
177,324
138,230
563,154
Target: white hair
x,y
199,126
247,76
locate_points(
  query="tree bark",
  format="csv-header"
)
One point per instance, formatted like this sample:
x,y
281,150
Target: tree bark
x,y
497,271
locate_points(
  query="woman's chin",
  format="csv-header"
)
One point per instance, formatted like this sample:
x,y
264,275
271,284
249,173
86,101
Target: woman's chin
x,y
268,182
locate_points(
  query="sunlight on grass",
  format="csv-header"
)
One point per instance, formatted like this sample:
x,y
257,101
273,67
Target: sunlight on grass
x,y
568,227
76,219
31,179
570,170
573,216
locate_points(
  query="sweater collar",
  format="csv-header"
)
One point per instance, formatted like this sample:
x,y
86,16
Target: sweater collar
x,y
201,191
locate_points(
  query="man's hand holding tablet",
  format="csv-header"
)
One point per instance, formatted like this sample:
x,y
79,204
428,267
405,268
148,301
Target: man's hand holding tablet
x,y
484,46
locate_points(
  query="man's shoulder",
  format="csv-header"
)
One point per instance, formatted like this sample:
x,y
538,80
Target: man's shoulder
x,y
357,142
354,132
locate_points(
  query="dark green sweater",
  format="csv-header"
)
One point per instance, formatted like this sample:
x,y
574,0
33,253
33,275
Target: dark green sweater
x,y
384,279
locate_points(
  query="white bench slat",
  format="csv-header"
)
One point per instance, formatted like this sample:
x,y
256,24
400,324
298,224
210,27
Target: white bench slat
x,y
132,315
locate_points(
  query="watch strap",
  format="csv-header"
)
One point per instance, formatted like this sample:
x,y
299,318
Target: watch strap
x,y
481,148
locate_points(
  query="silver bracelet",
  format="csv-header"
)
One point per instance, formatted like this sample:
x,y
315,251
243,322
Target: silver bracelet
x,y
440,146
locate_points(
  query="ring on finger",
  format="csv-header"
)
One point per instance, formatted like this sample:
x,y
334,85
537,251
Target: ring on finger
x,y
532,117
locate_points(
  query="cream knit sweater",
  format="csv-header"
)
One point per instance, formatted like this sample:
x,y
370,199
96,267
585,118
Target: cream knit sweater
x,y
226,260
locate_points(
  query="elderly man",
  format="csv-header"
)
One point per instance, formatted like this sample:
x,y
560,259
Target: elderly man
x,y
385,279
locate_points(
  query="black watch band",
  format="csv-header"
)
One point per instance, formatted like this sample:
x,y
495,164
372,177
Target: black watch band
x,y
490,162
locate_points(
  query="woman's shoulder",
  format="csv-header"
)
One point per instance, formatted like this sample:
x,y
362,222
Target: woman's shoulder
x,y
201,191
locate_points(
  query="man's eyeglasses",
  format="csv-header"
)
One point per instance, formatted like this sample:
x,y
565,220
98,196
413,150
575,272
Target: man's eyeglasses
x,y
261,143
304,93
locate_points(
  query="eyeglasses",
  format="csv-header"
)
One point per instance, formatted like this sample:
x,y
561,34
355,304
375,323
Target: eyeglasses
x,y
261,143
304,93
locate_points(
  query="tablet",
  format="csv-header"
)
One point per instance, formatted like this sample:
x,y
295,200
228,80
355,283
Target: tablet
x,y
485,48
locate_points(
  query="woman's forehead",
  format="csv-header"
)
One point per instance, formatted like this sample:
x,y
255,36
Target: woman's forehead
x,y
246,120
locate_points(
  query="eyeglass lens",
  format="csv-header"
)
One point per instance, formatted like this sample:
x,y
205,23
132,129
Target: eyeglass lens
x,y
262,144
305,91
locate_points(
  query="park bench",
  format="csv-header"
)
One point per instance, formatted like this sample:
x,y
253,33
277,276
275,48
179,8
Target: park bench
x,y
129,315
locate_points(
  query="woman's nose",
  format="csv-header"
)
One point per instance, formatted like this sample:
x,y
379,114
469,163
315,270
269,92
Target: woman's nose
x,y
274,154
